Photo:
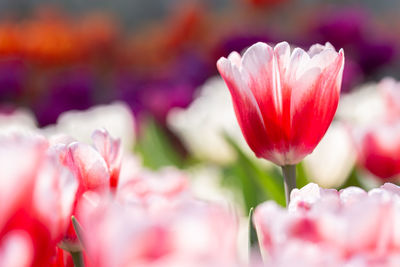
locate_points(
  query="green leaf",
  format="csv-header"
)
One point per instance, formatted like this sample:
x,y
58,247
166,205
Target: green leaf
x,y
237,176
78,230
257,179
77,256
156,148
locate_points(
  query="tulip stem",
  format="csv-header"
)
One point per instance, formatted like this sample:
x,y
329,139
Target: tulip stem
x,y
289,180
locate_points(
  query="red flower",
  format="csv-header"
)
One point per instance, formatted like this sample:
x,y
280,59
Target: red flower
x,y
96,167
37,194
284,101
379,150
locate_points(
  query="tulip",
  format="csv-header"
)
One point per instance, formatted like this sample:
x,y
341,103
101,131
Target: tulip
x,y
389,89
379,150
373,116
189,233
325,227
284,101
38,194
203,124
96,167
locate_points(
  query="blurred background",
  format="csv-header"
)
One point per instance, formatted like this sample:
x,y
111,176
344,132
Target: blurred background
x,y
158,57
63,55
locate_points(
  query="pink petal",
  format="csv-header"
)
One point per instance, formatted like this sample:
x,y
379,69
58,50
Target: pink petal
x,y
314,104
111,151
89,166
246,108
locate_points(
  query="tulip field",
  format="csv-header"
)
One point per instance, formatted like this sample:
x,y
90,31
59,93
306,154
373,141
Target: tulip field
x,y
243,133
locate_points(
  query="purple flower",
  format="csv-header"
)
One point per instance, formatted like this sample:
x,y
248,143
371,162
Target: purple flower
x,y
67,90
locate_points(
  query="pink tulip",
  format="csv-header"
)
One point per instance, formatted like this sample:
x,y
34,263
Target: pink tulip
x,y
379,149
16,250
377,139
154,190
96,167
111,150
143,233
390,91
284,101
330,228
37,194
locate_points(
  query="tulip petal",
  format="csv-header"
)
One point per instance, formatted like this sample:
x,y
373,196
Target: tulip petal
x,y
111,151
261,71
89,166
246,108
314,104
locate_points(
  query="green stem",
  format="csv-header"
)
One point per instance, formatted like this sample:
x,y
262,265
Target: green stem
x,y
77,259
289,180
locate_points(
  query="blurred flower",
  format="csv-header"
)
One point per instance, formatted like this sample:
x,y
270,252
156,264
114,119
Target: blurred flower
x,y
13,75
375,54
331,162
363,106
49,39
341,27
324,227
39,193
389,90
154,191
96,167
278,122
206,184
190,233
374,120
172,86
204,123
10,43
16,250
19,120
68,90
379,149
116,118
97,34
352,75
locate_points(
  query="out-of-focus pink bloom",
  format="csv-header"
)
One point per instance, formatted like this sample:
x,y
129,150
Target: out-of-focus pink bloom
x,y
378,141
110,150
390,90
189,234
154,220
38,193
332,228
16,250
97,167
284,101
379,149
154,189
